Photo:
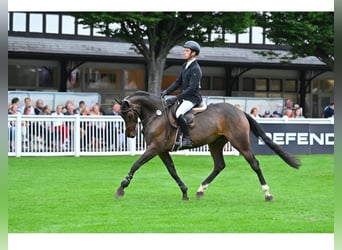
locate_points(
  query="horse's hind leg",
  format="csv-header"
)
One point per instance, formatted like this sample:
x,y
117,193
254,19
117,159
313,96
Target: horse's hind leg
x,y
254,163
219,165
166,158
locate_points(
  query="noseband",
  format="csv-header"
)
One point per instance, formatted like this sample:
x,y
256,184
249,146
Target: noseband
x,y
135,112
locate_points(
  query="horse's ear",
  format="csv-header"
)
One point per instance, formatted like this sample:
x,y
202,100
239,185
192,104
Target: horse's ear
x,y
117,100
125,103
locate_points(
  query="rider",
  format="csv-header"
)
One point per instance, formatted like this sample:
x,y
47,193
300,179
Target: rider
x,y
189,81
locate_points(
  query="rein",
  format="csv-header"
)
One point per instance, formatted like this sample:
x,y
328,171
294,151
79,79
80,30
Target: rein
x,y
165,114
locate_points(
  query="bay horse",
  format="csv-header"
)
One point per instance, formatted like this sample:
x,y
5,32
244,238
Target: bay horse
x,y
220,123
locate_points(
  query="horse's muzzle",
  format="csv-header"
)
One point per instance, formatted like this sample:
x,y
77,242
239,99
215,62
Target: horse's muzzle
x,y
130,133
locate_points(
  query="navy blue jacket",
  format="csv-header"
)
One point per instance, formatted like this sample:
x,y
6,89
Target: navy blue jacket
x,y
189,80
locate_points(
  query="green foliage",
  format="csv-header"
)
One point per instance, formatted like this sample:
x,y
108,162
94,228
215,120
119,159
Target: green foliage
x,y
76,194
308,33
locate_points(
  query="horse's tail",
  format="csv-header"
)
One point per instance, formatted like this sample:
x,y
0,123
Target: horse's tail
x,y
259,132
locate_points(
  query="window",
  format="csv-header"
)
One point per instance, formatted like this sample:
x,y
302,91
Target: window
x,y
32,75
247,84
83,30
36,23
290,86
52,23
257,35
275,85
205,83
19,22
218,83
260,84
68,25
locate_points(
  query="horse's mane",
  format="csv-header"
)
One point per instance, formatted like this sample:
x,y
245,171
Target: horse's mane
x,y
142,93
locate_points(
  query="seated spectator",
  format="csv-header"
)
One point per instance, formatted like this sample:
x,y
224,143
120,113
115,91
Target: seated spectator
x,y
46,129
70,110
329,110
288,113
115,133
297,113
38,110
12,126
267,114
15,100
99,126
81,105
276,114
60,129
27,103
86,129
254,113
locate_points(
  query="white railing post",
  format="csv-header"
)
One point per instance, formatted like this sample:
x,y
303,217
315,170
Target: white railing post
x,y
131,144
77,135
18,136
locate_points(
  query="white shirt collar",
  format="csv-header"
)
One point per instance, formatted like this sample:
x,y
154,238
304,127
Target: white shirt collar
x,y
189,62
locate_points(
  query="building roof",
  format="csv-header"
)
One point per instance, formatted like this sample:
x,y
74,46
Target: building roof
x,y
105,49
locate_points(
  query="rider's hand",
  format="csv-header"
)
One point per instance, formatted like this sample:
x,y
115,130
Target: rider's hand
x,y
170,101
163,94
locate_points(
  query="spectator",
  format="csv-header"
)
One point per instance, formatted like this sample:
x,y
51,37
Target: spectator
x,y
27,103
329,110
12,126
60,129
81,105
46,129
254,113
115,130
38,110
288,113
267,114
15,100
297,113
70,110
288,105
26,128
276,114
86,128
64,109
99,126
115,109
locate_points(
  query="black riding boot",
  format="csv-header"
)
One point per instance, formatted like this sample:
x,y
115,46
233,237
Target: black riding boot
x,y
186,141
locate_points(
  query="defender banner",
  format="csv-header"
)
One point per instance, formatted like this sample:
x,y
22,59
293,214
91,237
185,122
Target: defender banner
x,y
297,138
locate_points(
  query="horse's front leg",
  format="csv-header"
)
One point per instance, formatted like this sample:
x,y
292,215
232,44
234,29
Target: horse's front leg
x,y
148,155
167,160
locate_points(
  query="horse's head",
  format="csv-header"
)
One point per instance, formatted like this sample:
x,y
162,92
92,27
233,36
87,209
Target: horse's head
x,y
130,116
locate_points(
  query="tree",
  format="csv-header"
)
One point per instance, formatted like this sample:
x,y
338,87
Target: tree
x,y
307,33
154,34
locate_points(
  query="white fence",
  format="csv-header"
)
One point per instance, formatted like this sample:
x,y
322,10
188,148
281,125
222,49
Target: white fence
x,y
41,135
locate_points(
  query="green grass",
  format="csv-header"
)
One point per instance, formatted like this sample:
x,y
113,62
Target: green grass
x,y
70,194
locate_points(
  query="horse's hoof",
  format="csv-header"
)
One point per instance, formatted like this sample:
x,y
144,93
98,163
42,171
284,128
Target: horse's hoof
x,y
269,198
185,198
199,195
119,193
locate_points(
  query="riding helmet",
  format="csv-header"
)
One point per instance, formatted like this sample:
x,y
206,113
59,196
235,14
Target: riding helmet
x,y
193,46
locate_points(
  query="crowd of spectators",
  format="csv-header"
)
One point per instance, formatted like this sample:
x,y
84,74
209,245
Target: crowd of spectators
x,y
289,111
92,133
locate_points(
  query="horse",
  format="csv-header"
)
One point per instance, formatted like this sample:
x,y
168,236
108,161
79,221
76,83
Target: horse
x,y
218,124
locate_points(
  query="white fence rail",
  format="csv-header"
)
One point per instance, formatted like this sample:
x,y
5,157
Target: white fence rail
x,y
41,135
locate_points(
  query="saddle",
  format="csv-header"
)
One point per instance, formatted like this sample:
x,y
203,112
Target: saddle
x,y
189,116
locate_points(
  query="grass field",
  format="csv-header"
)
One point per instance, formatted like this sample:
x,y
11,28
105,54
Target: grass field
x,y
70,194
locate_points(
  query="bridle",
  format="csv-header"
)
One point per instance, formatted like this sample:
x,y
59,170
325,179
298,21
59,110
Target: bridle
x,y
132,127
